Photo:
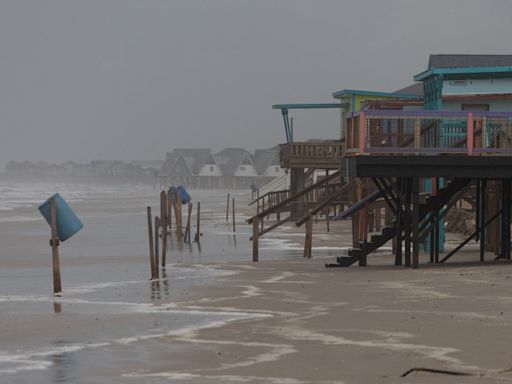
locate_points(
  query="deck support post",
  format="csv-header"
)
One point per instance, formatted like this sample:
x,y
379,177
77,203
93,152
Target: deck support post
x,y
481,217
415,220
505,219
297,177
399,228
407,223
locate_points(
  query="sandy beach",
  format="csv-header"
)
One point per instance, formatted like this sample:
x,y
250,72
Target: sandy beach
x,y
216,317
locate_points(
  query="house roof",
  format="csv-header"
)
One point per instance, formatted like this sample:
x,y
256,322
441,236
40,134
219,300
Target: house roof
x,y
463,65
464,61
229,159
349,92
263,158
415,89
195,158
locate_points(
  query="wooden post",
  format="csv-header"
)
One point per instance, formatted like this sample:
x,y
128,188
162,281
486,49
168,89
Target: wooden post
x,y
187,230
54,242
362,132
163,224
157,258
198,233
233,208
415,221
309,237
262,209
469,132
169,210
327,219
177,211
255,238
227,209
151,245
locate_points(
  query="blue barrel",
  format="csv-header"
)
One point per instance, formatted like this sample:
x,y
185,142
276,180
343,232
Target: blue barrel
x,y
67,222
184,196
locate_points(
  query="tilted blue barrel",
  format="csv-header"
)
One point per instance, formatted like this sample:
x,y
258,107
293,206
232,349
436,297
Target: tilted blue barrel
x,y
184,196
67,222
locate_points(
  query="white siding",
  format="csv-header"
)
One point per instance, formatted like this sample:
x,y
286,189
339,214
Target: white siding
x,y
210,170
274,171
246,170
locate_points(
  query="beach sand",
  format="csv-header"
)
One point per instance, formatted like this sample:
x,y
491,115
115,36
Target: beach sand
x,y
216,317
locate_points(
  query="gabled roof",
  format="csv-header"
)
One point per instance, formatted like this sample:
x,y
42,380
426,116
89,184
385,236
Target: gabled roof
x,y
195,158
464,61
463,65
229,159
263,158
415,89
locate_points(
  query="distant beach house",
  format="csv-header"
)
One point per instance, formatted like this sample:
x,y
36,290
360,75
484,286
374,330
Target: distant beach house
x,y
229,168
266,162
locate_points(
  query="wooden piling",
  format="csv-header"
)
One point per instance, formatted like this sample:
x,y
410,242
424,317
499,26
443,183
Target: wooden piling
x,y
255,238
157,241
227,209
233,208
163,224
198,233
151,245
308,240
54,242
178,218
187,228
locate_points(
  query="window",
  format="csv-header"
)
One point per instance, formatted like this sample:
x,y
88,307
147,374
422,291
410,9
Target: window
x,y
276,169
242,168
211,168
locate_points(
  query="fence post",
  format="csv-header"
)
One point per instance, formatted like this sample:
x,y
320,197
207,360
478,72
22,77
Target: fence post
x,y
362,132
469,132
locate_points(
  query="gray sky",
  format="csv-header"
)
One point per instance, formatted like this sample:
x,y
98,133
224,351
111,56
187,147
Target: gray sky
x,y
132,79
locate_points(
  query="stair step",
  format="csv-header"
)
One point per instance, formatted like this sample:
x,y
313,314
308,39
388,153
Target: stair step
x,y
344,261
355,252
378,238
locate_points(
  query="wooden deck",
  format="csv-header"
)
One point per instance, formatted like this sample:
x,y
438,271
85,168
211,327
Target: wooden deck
x,y
319,155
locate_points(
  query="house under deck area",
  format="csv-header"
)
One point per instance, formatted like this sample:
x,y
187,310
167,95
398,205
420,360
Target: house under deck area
x,y
453,151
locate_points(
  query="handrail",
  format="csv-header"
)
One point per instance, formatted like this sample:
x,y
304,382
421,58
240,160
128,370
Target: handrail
x,y
266,194
292,198
322,205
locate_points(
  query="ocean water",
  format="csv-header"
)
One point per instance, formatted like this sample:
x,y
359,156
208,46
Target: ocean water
x,y
110,315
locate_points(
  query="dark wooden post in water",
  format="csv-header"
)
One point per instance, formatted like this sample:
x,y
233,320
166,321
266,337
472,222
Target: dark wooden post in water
x,y
169,210
151,245
309,237
163,225
54,242
255,238
157,240
233,208
196,237
187,229
227,209
177,213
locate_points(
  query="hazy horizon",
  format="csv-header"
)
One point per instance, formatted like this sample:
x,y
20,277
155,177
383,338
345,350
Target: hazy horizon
x,y
126,79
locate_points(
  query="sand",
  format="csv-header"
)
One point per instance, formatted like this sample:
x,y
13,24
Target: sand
x,y
356,325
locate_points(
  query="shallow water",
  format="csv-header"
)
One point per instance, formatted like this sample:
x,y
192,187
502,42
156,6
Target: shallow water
x,y
110,317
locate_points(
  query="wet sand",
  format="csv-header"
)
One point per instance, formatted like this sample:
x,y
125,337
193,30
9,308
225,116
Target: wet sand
x,y
215,317
356,325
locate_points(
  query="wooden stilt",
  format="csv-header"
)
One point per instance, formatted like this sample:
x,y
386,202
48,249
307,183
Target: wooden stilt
x,y
163,224
151,245
308,240
198,231
255,238
233,209
482,219
227,209
54,242
189,214
156,263
407,223
415,221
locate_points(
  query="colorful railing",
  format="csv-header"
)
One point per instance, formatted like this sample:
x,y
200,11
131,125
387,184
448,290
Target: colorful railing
x,y
428,132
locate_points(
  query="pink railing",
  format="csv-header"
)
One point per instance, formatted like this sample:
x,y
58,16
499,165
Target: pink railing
x,y
428,132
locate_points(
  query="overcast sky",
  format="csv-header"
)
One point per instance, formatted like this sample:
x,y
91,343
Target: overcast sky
x,y
121,79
